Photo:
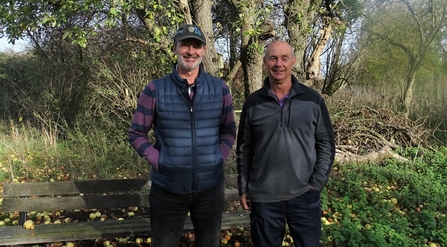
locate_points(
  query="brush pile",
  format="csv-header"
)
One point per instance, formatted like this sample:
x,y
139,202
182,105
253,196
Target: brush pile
x,y
364,134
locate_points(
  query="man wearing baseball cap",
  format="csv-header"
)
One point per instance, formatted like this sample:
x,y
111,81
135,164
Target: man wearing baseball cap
x,y
189,32
191,114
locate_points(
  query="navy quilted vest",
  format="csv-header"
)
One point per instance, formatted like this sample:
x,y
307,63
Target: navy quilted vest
x,y
187,134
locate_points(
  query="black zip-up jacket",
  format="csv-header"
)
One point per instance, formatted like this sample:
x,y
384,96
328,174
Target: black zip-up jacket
x,y
284,151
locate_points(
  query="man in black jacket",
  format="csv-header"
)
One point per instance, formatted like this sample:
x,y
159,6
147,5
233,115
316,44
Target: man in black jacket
x,y
285,151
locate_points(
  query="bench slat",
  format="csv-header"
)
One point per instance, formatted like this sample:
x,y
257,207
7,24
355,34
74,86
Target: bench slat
x,y
85,202
90,186
99,229
74,202
73,231
73,187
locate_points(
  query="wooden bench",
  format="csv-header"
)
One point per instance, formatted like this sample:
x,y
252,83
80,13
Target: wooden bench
x,y
86,197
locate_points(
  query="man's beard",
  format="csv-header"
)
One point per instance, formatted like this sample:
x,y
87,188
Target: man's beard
x,y
189,67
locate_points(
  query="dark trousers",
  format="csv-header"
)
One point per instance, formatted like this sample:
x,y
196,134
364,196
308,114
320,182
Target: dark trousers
x,y
168,213
302,214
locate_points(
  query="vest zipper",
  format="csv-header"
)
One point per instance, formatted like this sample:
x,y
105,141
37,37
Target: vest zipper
x,y
193,139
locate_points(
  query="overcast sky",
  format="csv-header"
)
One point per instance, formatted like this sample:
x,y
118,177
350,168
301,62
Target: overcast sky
x,y
5,46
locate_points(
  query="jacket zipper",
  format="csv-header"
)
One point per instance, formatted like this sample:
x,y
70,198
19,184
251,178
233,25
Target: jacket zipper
x,y
193,139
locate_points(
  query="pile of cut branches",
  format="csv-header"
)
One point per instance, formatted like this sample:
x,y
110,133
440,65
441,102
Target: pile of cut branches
x,y
363,133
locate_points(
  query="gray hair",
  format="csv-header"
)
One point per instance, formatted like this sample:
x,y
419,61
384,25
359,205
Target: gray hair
x,y
277,40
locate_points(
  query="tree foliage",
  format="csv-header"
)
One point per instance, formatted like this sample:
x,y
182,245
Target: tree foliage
x,y
410,34
92,58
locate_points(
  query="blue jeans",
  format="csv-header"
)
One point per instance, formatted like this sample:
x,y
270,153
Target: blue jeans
x,y
302,214
168,213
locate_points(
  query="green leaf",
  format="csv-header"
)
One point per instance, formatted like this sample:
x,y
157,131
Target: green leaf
x,y
113,11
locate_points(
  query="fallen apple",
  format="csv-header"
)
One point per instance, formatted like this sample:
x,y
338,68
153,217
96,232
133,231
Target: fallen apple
x,y
28,225
103,217
92,216
224,241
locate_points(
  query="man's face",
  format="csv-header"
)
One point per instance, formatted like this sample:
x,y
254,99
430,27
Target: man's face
x,y
279,61
189,53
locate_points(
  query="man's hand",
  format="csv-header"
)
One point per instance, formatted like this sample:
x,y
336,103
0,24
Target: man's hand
x,y
245,202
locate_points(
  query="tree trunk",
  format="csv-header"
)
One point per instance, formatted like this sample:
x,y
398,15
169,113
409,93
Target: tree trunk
x,y
202,14
252,45
252,67
299,16
408,95
246,11
314,66
184,8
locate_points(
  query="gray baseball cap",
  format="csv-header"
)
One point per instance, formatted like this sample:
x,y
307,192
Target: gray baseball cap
x,y
189,32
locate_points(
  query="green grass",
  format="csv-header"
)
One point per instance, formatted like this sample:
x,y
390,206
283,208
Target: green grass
x,y
29,155
388,204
